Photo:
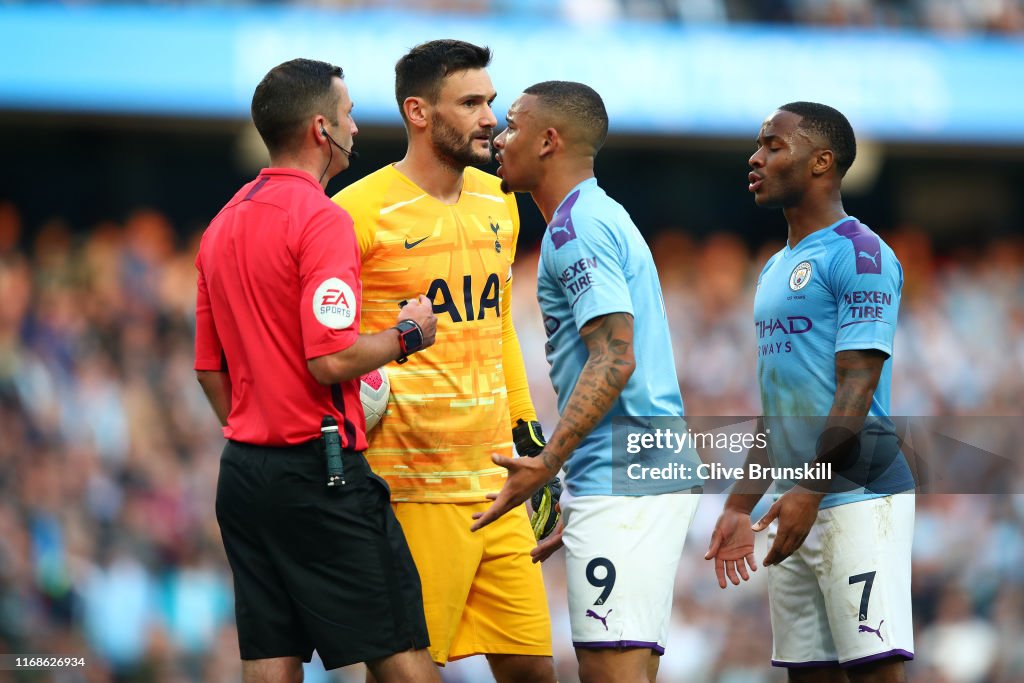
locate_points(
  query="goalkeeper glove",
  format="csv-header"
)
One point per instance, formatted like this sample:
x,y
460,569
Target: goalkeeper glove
x,y
529,441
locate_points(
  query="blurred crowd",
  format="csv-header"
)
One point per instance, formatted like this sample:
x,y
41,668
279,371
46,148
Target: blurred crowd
x,y
946,16
109,547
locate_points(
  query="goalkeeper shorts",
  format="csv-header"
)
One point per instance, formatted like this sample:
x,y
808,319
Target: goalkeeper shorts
x,y
482,594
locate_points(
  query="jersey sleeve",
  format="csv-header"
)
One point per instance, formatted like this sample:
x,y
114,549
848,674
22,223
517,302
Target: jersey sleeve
x,y
591,266
867,282
520,404
209,351
513,212
364,223
329,268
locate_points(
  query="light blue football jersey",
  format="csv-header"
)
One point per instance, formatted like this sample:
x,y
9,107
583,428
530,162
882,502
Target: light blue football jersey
x,y
593,261
837,290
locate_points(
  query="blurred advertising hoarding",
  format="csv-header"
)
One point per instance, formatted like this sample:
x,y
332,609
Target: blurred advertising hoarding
x,y
655,78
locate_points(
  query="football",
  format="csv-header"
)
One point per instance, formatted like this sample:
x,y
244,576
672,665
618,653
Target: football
x,y
374,391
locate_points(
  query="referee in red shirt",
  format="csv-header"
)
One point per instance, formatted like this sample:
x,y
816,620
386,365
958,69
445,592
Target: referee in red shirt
x,y
277,349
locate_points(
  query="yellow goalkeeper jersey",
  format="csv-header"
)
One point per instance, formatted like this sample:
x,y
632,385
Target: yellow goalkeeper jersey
x,y
448,410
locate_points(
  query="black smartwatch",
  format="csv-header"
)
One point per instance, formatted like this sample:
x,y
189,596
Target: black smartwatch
x,y
410,339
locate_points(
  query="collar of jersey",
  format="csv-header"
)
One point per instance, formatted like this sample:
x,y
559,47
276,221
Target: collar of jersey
x,y
817,235
294,172
412,183
580,186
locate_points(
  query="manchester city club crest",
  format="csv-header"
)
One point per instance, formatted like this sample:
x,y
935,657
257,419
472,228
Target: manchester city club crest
x,y
800,276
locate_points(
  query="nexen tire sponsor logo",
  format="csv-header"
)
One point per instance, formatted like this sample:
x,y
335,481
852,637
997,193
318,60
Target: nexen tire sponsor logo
x,y
578,277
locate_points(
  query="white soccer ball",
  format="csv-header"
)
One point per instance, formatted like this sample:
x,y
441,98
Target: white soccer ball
x,y
374,391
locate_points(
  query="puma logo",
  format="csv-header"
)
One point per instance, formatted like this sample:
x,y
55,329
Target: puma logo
x,y
873,259
604,622
562,234
864,628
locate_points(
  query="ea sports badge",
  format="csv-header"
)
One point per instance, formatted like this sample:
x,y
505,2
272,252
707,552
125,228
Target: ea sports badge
x,y
800,276
334,304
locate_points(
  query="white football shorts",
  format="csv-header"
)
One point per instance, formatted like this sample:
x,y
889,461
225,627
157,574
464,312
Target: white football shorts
x,y
844,596
622,555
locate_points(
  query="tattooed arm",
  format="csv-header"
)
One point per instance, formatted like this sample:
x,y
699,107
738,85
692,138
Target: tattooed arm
x,y
857,374
609,342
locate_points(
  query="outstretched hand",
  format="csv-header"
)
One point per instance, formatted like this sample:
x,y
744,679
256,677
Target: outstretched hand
x,y
732,547
796,511
525,477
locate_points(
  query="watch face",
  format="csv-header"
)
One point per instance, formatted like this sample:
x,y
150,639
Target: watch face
x,y
409,336
413,339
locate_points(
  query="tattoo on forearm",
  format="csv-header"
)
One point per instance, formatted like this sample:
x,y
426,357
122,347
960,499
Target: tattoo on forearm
x,y
857,374
604,376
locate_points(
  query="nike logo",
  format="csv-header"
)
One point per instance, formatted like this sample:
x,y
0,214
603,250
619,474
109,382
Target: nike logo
x,y
410,245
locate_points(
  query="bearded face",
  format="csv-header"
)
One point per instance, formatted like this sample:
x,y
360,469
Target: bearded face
x,y
460,148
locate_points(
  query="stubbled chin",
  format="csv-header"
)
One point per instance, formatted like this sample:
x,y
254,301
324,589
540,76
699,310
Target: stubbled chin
x,y
504,187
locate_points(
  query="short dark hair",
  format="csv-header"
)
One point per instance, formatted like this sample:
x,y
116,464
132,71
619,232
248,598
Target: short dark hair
x,y
288,95
421,71
831,125
578,105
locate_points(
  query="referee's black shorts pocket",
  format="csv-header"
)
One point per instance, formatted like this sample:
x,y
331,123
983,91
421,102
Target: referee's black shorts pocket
x,y
382,482
315,522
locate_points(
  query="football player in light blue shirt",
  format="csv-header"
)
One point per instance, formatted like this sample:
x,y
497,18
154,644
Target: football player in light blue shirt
x,y
594,263
611,358
838,290
825,317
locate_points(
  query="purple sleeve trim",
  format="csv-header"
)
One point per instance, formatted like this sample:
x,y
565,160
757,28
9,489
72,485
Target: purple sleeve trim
x,y
602,644
861,322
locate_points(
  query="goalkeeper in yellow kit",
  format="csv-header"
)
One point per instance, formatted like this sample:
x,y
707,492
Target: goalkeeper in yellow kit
x,y
433,223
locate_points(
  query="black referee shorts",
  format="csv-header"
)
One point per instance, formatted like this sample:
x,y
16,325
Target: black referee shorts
x,y
315,568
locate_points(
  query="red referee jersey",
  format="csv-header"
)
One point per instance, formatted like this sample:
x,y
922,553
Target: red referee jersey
x,y
279,284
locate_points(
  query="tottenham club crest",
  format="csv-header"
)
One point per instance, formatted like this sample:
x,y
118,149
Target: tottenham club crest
x,y
800,276
495,227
